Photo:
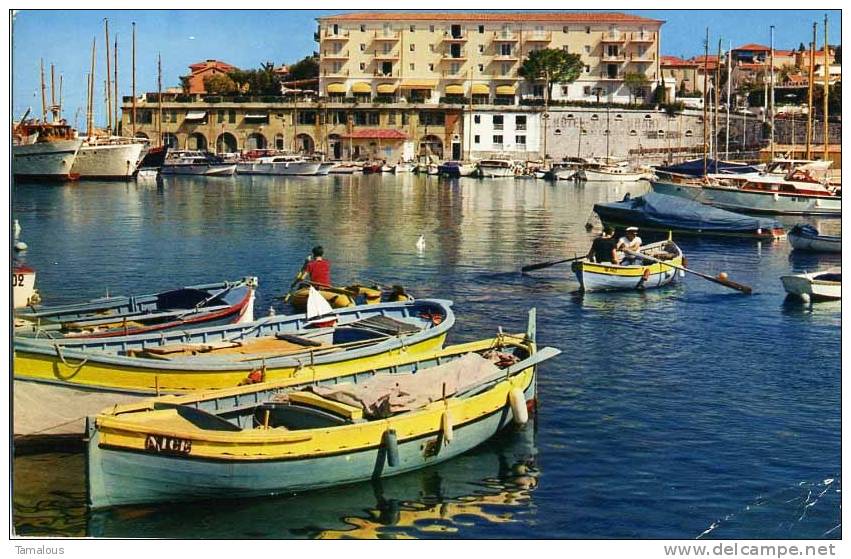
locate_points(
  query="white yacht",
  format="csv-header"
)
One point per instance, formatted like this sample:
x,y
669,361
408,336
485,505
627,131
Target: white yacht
x,y
43,151
494,168
279,165
195,163
111,157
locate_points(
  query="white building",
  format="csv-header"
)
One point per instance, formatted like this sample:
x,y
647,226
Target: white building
x,y
512,134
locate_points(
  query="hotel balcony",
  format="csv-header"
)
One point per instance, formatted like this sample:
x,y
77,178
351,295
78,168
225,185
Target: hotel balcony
x,y
454,37
390,55
338,55
505,37
613,37
642,37
448,56
538,37
386,35
605,76
646,57
620,57
394,75
499,57
340,35
335,74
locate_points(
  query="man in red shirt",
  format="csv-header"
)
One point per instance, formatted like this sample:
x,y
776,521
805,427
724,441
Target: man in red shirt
x,y
317,270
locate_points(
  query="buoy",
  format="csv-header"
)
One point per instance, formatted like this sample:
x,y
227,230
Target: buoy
x,y
21,246
722,276
421,243
391,447
446,427
518,406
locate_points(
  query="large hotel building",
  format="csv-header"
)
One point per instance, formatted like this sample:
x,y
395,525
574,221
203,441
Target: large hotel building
x,y
429,57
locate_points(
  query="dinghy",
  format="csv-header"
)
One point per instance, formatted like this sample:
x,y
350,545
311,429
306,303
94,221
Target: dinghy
x,y
807,238
58,382
274,438
816,286
186,307
605,276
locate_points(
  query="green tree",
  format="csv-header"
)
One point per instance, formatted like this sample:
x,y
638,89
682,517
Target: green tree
x,y
837,55
305,69
635,82
219,84
551,66
261,81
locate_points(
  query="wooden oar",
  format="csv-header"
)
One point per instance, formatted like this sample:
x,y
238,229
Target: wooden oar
x,y
717,279
540,265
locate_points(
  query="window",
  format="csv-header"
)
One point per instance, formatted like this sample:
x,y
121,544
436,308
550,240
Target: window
x,y
611,50
391,117
359,118
633,132
335,29
372,118
566,48
505,49
307,117
520,140
660,133
612,70
689,134
362,66
618,116
454,68
565,91
477,119
431,48
587,89
431,67
412,47
587,49
477,139
498,122
432,118
386,68
595,117
336,67
431,28
481,67
481,48
362,47
520,122
587,29
339,117
538,90
565,29
557,132
411,66
497,140
481,29
363,28
413,28
506,67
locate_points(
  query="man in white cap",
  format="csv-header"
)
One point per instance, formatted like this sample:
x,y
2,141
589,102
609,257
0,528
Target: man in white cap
x,y
632,242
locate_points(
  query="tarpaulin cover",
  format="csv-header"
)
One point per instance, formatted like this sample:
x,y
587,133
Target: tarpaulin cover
x,y
694,168
673,212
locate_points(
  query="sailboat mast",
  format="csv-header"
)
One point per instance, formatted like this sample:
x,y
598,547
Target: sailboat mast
x,y
705,88
810,78
716,90
133,110
729,102
160,99
771,107
43,95
826,91
115,85
52,94
90,119
59,109
108,84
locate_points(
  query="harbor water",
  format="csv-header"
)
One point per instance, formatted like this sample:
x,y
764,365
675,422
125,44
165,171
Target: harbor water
x,y
691,411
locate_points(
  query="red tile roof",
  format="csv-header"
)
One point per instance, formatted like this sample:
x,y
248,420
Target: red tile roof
x,y
198,66
753,47
376,134
672,61
555,17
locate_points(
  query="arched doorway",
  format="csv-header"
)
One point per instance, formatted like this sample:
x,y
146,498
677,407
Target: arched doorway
x,y
304,144
196,140
255,141
431,145
170,141
226,143
335,146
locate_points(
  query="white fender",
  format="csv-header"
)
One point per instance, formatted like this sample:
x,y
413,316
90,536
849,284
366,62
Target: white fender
x,y
446,425
518,406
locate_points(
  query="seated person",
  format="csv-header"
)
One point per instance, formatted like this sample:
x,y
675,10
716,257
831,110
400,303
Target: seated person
x,y
603,247
632,242
316,269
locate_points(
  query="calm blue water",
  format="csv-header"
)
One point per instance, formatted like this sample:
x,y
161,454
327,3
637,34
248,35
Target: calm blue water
x,y
691,411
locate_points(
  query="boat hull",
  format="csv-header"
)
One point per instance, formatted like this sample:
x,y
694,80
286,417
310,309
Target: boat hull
x,y
205,170
809,289
126,468
23,286
286,168
610,277
815,244
757,202
496,172
45,160
108,161
600,176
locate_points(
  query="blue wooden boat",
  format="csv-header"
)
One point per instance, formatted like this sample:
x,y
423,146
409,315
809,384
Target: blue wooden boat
x,y
58,382
660,212
270,439
195,305
807,238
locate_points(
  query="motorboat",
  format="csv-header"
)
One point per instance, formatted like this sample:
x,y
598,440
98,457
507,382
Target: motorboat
x,y
807,238
279,164
496,168
457,169
188,162
814,286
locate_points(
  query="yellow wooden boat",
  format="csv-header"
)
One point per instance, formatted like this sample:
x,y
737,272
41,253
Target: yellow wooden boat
x,y
341,297
605,276
277,438
58,382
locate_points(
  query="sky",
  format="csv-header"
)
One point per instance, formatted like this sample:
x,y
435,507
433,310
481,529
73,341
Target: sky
x,y
250,37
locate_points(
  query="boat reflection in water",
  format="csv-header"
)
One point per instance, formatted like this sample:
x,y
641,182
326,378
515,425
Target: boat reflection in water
x,y
488,485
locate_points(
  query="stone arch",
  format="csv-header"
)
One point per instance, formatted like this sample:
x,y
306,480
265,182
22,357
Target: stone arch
x,y
170,140
431,145
196,140
304,143
226,143
255,140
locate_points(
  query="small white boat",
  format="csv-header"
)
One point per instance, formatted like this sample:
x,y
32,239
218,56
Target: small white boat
x,y
433,169
23,286
402,168
284,165
496,168
196,163
815,286
611,173
147,174
345,168
807,238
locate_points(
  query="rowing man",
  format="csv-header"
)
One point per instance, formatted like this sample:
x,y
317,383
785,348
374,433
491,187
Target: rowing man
x,y
317,269
631,242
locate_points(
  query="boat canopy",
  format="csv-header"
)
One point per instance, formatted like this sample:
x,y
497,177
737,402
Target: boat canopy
x,y
694,168
680,213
